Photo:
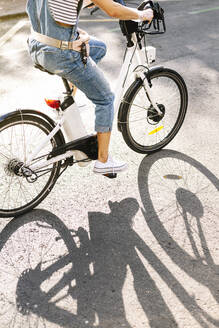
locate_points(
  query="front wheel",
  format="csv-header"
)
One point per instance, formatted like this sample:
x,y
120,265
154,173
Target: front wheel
x,y
20,135
142,128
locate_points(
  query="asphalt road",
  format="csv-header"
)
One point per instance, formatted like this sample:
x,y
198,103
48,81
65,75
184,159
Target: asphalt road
x,y
138,251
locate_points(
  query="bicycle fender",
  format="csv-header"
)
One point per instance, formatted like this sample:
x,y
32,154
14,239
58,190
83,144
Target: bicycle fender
x,y
31,112
152,70
123,104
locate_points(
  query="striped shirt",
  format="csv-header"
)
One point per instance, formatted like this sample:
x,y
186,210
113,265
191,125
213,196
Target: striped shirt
x,y
64,11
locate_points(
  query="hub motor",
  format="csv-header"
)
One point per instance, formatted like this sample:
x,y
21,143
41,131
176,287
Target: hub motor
x,y
153,117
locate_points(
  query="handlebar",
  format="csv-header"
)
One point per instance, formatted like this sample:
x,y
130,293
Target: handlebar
x,y
158,21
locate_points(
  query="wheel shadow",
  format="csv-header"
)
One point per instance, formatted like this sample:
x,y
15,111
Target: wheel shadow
x,y
185,182
32,255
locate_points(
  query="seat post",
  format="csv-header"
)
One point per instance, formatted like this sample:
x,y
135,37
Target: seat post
x,y
67,86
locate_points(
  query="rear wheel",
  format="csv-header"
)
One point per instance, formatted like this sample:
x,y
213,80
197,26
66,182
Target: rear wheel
x,y
142,128
20,135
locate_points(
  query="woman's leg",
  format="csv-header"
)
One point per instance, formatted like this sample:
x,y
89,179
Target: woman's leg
x,y
103,139
93,83
90,80
97,49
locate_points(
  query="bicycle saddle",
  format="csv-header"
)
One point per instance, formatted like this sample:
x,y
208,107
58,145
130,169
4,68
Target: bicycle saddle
x,y
42,69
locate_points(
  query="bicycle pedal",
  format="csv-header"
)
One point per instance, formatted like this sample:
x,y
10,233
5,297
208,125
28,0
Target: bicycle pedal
x,y
110,175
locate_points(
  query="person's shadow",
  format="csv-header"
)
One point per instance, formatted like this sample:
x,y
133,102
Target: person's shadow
x,y
114,244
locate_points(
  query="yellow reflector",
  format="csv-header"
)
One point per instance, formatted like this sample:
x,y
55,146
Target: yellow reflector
x,y
172,177
156,130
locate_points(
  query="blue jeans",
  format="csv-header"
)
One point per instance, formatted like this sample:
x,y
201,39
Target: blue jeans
x,y
89,79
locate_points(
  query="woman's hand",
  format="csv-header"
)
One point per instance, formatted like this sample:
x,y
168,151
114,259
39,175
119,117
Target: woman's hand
x,y
146,15
84,38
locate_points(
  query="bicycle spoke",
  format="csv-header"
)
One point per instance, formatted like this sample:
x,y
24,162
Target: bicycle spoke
x,y
3,155
133,104
18,141
144,129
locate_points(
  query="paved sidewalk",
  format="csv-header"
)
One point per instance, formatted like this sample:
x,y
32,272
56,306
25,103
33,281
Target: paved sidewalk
x,y
10,8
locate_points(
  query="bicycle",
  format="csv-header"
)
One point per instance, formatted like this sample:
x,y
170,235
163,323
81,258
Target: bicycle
x,y
35,149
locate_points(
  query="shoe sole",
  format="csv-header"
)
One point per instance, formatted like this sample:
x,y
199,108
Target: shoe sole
x,y
110,170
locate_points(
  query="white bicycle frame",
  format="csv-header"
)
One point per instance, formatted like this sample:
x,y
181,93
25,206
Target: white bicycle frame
x,y
134,57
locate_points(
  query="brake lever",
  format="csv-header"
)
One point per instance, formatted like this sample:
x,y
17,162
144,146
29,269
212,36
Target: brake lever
x,y
89,6
146,24
94,10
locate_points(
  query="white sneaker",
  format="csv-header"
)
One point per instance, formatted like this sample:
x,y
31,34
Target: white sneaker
x,y
110,166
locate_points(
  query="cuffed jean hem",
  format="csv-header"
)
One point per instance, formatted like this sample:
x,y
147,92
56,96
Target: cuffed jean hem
x,y
103,129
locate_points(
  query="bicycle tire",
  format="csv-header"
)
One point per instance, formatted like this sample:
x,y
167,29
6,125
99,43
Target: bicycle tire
x,y
155,131
17,195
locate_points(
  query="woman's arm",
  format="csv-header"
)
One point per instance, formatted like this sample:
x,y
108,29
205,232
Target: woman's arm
x,y
116,10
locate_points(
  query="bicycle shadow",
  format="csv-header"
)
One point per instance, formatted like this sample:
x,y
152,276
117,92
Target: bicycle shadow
x,y
111,248
55,267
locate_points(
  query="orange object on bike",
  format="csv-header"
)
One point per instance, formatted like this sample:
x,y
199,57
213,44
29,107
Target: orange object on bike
x,y
53,103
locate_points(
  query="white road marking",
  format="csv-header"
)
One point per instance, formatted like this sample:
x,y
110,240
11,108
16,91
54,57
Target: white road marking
x,y
204,10
12,52
7,36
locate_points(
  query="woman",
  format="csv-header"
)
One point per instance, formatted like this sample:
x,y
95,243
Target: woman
x,y
58,20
